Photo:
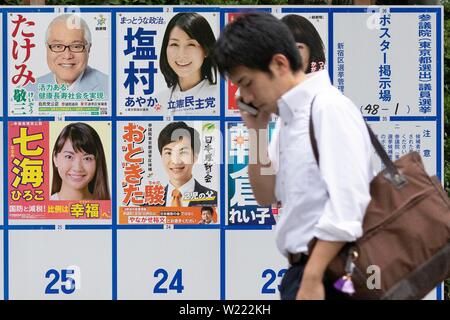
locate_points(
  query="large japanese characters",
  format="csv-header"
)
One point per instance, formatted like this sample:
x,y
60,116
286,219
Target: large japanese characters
x,y
60,64
59,170
164,64
169,172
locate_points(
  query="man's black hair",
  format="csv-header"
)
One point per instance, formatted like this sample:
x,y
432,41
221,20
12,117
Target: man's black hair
x,y
251,40
175,131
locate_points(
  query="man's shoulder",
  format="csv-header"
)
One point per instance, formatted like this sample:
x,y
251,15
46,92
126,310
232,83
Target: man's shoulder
x,y
45,79
94,79
92,73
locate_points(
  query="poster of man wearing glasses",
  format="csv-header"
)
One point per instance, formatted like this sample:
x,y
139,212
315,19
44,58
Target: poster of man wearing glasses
x,y
75,77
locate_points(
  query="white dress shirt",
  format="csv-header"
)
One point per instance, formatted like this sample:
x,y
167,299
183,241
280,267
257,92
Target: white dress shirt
x,y
328,203
188,187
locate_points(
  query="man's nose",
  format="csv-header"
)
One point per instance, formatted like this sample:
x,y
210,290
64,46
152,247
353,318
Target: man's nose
x,y
67,53
246,96
176,158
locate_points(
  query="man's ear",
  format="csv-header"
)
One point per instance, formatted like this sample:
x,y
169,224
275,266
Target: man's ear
x,y
279,64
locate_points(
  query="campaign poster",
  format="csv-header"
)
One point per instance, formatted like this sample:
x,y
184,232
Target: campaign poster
x,y
297,23
242,208
168,172
59,170
164,64
59,64
390,66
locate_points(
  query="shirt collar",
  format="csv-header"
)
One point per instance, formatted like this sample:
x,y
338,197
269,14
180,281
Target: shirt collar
x,y
301,95
188,187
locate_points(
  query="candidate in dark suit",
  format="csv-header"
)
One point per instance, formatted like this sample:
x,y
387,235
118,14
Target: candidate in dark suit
x,y
179,146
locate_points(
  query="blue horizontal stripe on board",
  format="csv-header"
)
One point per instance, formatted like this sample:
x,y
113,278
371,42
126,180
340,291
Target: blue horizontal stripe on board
x,y
31,119
197,226
89,118
372,118
138,9
88,227
198,118
233,119
413,118
31,227
84,9
139,118
308,10
414,10
139,227
233,10
196,9
23,9
247,227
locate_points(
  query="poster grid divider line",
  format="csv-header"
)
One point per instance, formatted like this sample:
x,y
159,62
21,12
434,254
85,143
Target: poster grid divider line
x,y
439,90
197,118
233,118
32,227
114,153
196,227
88,227
5,157
139,9
138,118
195,9
32,9
222,174
140,227
330,45
248,227
305,10
368,118
413,118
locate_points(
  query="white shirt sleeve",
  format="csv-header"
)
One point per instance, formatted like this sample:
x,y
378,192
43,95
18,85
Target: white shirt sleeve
x,y
344,152
274,146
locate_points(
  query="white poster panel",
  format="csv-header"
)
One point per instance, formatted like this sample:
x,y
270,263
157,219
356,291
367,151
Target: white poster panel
x,y
168,171
168,264
63,265
386,62
401,137
254,266
75,77
164,63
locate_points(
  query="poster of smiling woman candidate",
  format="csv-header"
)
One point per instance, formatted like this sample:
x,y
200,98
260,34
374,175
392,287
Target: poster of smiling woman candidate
x,y
164,63
59,170
169,172
75,77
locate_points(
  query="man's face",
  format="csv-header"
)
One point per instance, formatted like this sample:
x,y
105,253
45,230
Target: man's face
x,y
206,216
178,160
257,88
67,66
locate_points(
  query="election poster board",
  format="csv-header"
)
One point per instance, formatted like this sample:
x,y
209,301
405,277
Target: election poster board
x,y
172,218
48,77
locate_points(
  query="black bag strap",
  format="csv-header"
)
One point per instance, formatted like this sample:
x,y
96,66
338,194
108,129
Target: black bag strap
x,y
392,173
